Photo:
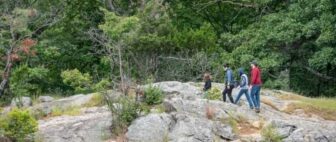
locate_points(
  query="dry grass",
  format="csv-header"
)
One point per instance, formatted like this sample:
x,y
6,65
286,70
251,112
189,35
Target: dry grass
x,y
312,109
269,103
72,111
290,96
210,112
323,107
97,99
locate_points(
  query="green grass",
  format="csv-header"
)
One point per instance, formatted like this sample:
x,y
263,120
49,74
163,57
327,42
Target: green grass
x,y
160,108
269,134
96,100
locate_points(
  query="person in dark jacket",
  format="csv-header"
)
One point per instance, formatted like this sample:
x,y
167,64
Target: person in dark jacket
x,y
255,85
207,79
243,87
229,83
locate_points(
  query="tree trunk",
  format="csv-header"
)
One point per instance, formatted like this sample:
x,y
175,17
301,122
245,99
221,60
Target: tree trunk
x,y
120,68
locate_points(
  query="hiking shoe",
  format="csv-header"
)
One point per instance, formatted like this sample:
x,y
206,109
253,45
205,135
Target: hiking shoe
x,y
257,110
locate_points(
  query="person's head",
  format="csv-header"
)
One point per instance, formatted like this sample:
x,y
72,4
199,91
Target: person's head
x,y
254,64
240,71
225,66
206,76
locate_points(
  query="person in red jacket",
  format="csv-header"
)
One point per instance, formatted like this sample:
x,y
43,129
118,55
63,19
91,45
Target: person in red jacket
x,y
255,85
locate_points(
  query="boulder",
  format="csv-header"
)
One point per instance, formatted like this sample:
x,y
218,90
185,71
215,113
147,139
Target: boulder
x,y
178,127
191,129
64,103
93,126
151,128
21,102
45,99
184,90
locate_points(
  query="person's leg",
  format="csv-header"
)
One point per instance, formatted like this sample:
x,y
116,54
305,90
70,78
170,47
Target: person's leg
x,y
224,94
257,94
248,98
239,95
253,98
230,93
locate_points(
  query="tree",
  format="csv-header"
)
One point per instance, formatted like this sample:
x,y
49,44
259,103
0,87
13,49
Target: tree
x,y
120,30
16,34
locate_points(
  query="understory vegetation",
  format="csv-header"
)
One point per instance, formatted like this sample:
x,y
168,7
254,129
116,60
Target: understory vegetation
x,y
17,125
125,109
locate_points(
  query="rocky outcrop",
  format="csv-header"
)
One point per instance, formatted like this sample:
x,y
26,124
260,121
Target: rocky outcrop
x,y
177,127
186,119
91,126
64,103
45,99
21,102
152,128
178,89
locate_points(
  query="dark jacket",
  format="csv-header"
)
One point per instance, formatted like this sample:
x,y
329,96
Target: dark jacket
x,y
207,85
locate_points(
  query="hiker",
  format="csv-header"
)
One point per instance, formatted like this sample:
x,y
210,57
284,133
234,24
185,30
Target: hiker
x,y
243,87
255,85
207,79
229,83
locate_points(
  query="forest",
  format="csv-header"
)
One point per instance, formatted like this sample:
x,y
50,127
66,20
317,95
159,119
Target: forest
x,y
64,47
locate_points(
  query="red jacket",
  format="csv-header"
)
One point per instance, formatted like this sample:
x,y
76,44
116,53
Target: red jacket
x,y
255,76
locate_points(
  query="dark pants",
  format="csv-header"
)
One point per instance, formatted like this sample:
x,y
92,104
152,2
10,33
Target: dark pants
x,y
228,91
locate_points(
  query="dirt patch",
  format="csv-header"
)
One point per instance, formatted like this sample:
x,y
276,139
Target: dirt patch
x,y
245,128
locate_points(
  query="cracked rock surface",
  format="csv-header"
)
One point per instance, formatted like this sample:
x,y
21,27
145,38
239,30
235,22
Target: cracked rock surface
x,y
92,126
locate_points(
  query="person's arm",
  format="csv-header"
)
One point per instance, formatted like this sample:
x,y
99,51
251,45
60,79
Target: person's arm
x,y
243,81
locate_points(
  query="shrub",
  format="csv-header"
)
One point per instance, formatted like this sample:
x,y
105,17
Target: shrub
x,y
153,95
102,85
213,94
270,134
124,111
31,81
18,124
81,83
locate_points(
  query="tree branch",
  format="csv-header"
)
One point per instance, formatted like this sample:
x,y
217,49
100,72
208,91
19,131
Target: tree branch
x,y
318,74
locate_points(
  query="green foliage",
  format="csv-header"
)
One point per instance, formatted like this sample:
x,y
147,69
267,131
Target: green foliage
x,y
124,111
102,85
78,81
29,81
19,124
153,95
270,134
213,94
118,27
